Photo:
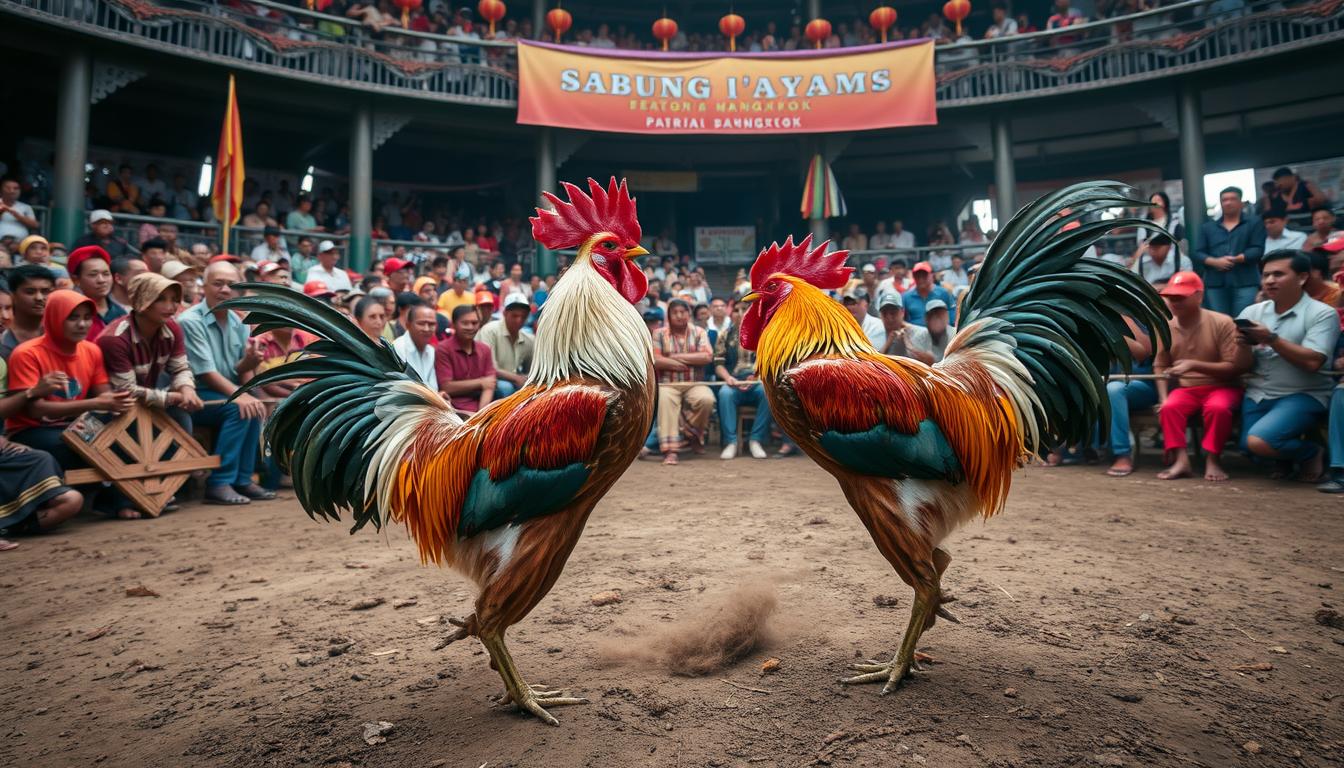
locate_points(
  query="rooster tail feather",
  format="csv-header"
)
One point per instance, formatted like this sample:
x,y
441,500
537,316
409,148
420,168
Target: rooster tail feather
x,y
342,433
1047,322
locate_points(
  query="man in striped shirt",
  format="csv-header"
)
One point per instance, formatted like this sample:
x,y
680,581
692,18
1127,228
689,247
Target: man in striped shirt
x,y
141,348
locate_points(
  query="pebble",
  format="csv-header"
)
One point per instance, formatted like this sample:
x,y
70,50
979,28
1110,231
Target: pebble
x,y
1252,746
1010,693
605,598
376,732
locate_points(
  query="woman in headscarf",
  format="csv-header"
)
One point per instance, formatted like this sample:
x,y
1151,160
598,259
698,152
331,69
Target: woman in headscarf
x,y
33,495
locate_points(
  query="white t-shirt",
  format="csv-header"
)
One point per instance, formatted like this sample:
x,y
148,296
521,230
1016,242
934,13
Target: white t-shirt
x,y
875,331
1156,273
1291,240
9,224
263,252
336,280
422,362
903,239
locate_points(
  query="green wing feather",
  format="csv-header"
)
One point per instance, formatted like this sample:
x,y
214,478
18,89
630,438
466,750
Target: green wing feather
x,y
1062,312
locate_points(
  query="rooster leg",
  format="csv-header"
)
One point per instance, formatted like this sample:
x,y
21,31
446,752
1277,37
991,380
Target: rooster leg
x,y
524,696
900,667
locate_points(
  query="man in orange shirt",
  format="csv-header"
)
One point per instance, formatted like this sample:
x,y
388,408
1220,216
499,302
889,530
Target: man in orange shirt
x,y
1202,364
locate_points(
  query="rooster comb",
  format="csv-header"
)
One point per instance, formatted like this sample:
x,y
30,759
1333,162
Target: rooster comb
x,y
569,224
801,260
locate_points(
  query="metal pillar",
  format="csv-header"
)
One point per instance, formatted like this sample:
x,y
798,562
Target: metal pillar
x,y
1192,161
1005,178
813,9
545,259
538,19
72,142
360,254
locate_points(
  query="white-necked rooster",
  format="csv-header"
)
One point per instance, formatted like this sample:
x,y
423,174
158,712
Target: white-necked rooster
x,y
503,496
920,450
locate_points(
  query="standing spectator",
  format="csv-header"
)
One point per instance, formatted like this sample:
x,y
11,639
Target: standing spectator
x,y
101,233
1230,248
302,261
510,345
680,352
416,346
92,270
223,358
1294,194
1063,17
955,276
271,248
665,247
880,241
30,285
1322,228
856,301
1197,374
697,287
736,368
326,270
924,291
1003,24
1289,339
899,281
17,219
1277,235
855,240
900,238
903,339
868,280
1156,264
464,366
937,322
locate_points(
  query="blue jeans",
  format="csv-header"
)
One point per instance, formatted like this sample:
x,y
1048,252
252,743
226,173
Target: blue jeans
x,y
504,388
729,400
1337,429
1281,422
1230,300
236,441
1127,396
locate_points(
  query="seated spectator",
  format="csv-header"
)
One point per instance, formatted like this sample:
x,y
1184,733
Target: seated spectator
x,y
1198,374
1277,235
416,346
719,320
485,305
17,219
1156,263
260,217
459,295
398,273
697,287
102,233
464,366
869,281
186,277
301,218
856,301
955,276
272,247
1334,480
29,286
92,270
1287,342
937,322
903,339
1294,194
736,368
899,281
1319,286
326,270
34,249
880,240
405,301
510,345
1322,228
122,192
273,272
855,240
171,249
124,271
371,316
149,230
222,358
681,350
925,290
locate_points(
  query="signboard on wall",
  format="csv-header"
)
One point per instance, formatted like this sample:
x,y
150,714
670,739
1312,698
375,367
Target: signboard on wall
x,y
725,245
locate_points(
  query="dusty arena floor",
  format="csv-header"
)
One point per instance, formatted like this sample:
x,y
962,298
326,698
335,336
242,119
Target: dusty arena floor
x,y
1105,622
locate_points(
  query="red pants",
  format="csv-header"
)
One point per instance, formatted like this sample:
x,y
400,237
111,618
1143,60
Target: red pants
x,y
1217,404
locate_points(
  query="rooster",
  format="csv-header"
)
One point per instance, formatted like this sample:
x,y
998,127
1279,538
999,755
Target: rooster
x,y
919,450
503,496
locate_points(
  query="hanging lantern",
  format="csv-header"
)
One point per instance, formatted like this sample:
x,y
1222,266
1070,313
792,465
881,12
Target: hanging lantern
x,y
323,5
957,10
664,29
818,31
559,20
731,26
492,11
406,7
882,19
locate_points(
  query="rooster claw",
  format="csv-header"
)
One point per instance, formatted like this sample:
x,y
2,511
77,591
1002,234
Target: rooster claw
x,y
461,634
538,695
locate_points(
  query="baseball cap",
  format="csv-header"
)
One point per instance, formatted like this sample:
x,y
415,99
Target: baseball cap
x,y
229,257
516,298
325,245
485,297
934,304
270,267
890,299
394,264
869,268
1333,245
317,289
922,266
100,215
855,293
172,268
1182,284
82,254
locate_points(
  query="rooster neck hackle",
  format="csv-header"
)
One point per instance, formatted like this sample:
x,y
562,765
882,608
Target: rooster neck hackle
x,y
807,324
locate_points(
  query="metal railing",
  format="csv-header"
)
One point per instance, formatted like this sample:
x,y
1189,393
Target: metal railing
x,y
317,47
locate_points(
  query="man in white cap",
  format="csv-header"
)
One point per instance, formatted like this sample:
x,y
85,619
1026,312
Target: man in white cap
x,y
856,301
326,270
510,343
101,234
936,321
903,339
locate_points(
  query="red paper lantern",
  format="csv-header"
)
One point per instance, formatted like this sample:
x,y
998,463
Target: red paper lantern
x,y
882,19
957,10
664,29
559,20
818,31
406,7
731,26
491,11
323,5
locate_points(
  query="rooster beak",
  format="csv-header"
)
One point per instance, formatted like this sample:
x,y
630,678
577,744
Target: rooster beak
x,y
750,297
636,252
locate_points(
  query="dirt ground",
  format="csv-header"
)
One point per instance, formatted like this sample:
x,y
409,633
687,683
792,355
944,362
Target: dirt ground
x,y
1104,622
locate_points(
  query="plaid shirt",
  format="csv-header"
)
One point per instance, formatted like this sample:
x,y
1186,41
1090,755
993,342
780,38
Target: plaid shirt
x,y
666,344
135,363
728,352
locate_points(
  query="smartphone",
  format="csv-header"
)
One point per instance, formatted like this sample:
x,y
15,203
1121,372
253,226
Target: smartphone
x,y
1242,322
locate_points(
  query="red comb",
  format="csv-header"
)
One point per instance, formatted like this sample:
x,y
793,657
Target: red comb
x,y
801,260
570,224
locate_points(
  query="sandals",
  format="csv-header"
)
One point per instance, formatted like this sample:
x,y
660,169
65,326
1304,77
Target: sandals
x,y
670,459
223,495
6,545
255,492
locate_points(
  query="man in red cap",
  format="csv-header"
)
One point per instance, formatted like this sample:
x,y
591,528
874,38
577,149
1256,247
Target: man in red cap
x,y
926,290
1202,370
317,289
91,269
397,272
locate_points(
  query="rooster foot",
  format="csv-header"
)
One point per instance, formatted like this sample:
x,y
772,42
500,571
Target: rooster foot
x,y
892,673
538,695
460,633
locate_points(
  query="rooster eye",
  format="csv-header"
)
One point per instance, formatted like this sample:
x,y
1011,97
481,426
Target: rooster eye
x,y
609,245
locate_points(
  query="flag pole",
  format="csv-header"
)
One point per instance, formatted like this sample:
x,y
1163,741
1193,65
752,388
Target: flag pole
x,y
224,248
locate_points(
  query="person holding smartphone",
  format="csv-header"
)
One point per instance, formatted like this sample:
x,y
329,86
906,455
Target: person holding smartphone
x,y
1286,341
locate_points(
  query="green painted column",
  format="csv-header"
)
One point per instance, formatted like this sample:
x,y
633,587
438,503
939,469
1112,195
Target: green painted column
x,y
1005,180
360,255
1192,161
545,259
72,143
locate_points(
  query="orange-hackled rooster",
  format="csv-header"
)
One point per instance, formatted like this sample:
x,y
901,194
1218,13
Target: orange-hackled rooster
x,y
503,496
918,449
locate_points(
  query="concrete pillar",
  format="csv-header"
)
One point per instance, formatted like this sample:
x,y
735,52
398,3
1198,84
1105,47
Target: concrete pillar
x,y
360,255
72,142
813,10
538,19
1005,178
544,263
1192,161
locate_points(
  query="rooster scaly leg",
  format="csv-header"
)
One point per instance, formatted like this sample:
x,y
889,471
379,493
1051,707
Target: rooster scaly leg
x,y
525,697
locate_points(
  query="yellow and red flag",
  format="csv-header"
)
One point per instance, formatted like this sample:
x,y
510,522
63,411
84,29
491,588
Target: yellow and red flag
x,y
227,194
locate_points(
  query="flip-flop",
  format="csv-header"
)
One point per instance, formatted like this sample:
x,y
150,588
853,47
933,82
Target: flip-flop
x,y
234,500
670,460
6,545
1119,472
